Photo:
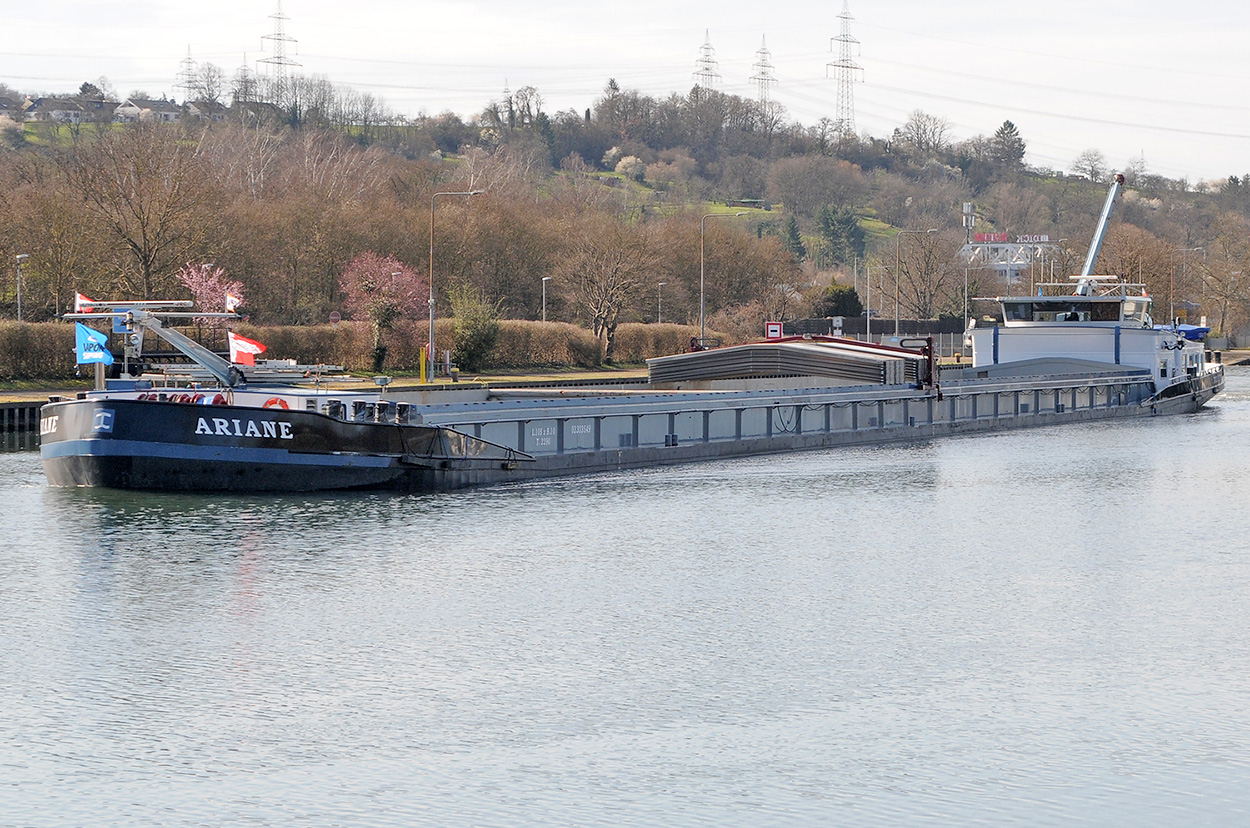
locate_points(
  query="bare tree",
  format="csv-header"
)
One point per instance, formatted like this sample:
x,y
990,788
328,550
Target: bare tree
x,y
806,183
243,156
607,262
148,185
928,275
1092,164
1137,254
209,83
926,133
1226,282
1015,207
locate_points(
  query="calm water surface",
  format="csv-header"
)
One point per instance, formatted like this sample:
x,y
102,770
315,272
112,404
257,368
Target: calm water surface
x,y
1048,627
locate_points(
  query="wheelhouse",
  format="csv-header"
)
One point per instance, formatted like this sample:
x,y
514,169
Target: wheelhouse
x,y
1093,301
1083,309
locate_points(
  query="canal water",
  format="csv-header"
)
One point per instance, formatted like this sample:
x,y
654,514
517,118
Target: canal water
x,y
1044,627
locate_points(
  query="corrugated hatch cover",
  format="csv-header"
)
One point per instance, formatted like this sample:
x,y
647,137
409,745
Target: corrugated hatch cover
x,y
824,357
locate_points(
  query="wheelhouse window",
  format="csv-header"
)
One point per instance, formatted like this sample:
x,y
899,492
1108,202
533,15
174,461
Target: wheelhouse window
x,y
1018,311
1062,310
1135,311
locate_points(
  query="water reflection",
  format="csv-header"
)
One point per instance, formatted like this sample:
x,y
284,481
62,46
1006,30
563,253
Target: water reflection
x,y
19,440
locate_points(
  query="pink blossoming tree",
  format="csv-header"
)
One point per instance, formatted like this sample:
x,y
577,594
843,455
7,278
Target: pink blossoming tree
x,y
208,285
383,290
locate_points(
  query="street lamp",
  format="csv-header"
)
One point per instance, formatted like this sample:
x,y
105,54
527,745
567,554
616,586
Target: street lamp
x,y
702,235
546,279
433,198
1172,276
897,248
659,302
21,257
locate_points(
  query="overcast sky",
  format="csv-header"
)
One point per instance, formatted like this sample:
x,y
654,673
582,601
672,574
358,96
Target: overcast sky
x,y
1166,81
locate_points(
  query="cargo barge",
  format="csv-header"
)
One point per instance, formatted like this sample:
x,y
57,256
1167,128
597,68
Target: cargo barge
x,y
273,438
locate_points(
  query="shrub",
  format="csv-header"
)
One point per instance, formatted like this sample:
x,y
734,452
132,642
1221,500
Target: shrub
x,y
476,325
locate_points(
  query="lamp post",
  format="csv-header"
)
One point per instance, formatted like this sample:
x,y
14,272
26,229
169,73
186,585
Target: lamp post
x,y
897,250
1184,251
433,199
546,279
702,268
21,257
659,302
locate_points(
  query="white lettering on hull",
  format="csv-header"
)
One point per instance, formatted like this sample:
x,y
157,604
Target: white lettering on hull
x,y
221,427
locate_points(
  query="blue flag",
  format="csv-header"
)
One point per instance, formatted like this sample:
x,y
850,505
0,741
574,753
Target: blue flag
x,y
92,346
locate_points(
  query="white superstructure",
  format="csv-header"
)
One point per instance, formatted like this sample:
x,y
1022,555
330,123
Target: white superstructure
x,y
1096,319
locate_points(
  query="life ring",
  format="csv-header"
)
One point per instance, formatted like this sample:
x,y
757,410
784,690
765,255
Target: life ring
x,y
275,402
218,400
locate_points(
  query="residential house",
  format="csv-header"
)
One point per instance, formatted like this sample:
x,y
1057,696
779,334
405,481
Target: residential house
x,y
257,112
96,110
57,110
208,110
141,109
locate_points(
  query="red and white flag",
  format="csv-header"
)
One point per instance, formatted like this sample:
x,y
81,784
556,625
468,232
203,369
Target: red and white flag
x,y
79,299
232,302
243,351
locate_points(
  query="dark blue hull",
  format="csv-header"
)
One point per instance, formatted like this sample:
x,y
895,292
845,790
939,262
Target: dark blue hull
x,y
132,444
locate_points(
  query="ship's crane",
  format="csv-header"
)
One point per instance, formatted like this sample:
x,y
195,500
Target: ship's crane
x,y
1085,284
145,314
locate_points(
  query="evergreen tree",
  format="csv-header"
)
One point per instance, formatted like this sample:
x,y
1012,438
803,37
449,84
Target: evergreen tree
x,y
793,240
838,300
1007,146
841,236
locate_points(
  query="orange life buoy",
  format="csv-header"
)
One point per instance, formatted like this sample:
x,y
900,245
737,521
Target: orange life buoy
x,y
275,402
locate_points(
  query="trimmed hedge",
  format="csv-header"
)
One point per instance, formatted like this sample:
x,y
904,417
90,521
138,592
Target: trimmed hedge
x,y
45,350
636,342
38,350
523,344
